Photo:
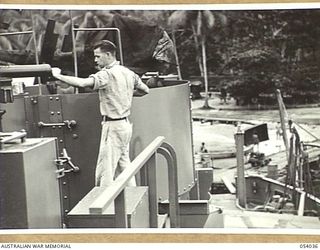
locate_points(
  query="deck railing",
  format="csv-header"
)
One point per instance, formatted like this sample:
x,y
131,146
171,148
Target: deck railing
x,y
147,159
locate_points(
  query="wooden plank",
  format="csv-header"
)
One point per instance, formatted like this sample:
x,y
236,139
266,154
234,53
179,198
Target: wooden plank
x,y
229,184
111,192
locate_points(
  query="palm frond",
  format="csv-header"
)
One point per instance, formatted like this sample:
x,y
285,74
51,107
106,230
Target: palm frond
x,y
178,19
221,19
208,19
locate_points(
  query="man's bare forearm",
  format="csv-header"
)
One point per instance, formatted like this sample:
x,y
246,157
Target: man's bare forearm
x,y
76,81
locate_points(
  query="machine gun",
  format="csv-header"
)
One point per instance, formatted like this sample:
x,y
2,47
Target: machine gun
x,y
25,70
7,87
12,71
6,96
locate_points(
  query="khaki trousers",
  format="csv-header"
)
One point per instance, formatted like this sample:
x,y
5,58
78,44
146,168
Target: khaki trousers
x,y
113,152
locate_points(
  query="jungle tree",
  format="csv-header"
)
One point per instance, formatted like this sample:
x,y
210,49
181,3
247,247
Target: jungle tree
x,y
201,22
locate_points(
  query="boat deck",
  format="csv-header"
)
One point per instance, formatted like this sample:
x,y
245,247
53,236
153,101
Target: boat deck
x,y
234,217
278,159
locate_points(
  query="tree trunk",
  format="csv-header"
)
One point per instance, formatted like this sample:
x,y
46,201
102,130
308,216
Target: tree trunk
x,y
176,54
196,41
205,73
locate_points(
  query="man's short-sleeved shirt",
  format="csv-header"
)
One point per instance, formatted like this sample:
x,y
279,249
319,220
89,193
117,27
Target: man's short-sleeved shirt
x,y
115,84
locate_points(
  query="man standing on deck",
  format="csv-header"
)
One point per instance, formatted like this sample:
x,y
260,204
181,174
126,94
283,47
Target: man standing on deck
x,y
116,86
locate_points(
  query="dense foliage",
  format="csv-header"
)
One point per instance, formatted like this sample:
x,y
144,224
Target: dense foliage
x,y
251,52
254,52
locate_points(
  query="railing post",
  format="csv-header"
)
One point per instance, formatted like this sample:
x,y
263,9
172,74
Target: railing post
x,y
173,197
153,198
121,220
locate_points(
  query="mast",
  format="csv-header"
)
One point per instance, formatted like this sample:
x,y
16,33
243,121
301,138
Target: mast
x,y
282,113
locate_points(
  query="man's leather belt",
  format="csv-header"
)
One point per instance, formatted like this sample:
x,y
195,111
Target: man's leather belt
x,y
107,119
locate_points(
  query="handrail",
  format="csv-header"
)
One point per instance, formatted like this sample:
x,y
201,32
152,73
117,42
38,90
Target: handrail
x,y
111,192
73,29
174,210
15,33
107,29
116,190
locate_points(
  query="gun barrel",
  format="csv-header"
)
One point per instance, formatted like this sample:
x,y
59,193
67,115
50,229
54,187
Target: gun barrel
x,y
25,70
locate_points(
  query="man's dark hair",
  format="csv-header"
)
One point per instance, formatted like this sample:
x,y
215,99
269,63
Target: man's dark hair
x,y
106,46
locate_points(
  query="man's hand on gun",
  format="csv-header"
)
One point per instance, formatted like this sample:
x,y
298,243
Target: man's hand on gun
x,y
62,88
56,72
